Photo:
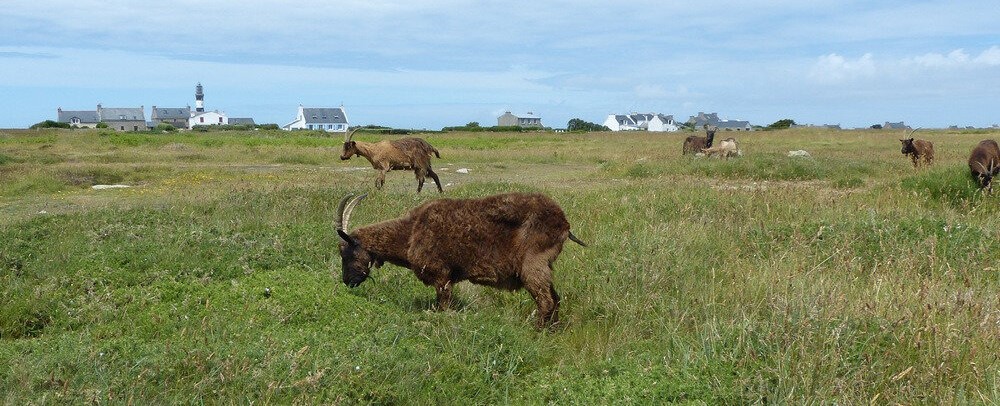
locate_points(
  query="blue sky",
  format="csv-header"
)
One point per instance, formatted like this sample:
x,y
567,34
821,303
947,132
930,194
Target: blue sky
x,y
429,64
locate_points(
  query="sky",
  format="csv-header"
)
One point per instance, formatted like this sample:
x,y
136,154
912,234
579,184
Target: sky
x,y
428,64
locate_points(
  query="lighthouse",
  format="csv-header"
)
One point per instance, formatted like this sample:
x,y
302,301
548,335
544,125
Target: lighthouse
x,y
199,99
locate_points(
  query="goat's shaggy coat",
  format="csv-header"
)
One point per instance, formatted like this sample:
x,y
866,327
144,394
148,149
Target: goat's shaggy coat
x,y
984,163
402,154
694,144
507,241
918,150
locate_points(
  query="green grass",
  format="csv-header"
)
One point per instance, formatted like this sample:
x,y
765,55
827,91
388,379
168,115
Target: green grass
x,y
849,277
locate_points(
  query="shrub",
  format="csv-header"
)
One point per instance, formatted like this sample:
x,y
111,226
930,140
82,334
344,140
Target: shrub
x,y
165,127
49,124
102,125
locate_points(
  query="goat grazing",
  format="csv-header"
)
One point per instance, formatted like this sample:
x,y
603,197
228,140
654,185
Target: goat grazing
x,y
506,241
727,148
984,163
918,149
402,154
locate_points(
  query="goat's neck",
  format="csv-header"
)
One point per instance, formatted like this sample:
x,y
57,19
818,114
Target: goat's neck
x,y
388,240
364,149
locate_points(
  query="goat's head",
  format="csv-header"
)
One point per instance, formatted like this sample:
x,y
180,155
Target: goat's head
x,y
908,142
907,146
985,177
355,259
350,147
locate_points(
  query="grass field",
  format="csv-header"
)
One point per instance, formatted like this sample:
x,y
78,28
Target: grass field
x,y
845,278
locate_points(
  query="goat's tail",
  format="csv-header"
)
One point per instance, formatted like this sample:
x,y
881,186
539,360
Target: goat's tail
x,y
438,154
576,240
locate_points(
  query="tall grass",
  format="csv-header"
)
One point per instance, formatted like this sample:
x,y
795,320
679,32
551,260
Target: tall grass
x,y
846,278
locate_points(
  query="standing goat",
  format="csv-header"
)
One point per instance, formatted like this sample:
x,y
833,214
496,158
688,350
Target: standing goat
x,y
402,154
918,149
693,144
984,163
506,241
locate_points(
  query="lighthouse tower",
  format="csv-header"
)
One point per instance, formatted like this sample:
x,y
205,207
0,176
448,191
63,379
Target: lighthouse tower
x,y
199,99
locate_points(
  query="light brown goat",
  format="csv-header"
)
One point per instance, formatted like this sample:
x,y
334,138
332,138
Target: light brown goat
x,y
984,164
725,149
918,150
507,241
402,154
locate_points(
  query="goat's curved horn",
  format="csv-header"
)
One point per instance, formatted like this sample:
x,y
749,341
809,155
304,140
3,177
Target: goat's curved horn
x,y
339,223
347,137
988,171
912,131
345,214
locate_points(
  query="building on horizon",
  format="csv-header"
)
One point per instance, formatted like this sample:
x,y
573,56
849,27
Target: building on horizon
x,y
329,119
179,117
509,119
641,122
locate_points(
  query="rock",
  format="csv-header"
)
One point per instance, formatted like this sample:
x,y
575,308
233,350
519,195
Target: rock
x,y
102,187
799,153
462,170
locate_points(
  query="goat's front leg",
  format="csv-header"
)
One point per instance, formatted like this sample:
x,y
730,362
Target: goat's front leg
x,y
380,179
443,295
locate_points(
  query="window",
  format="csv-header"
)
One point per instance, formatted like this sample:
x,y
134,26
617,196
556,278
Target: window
x,y
310,126
135,128
122,128
75,120
201,119
220,120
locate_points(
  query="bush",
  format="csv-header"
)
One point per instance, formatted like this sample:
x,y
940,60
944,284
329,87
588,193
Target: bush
x,y
49,124
165,127
102,125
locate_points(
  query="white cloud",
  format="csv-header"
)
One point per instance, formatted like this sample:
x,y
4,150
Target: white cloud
x,y
836,68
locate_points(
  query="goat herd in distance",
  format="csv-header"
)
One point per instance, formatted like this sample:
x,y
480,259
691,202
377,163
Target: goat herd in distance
x,y
507,241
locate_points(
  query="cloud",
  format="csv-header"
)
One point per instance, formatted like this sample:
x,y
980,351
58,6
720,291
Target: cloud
x,y
833,68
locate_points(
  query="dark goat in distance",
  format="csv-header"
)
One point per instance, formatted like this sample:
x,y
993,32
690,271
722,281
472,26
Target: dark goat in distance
x,y
693,144
506,241
984,164
402,154
918,149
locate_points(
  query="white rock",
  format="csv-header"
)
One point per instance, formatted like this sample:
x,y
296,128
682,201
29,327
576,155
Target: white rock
x,y
798,153
462,170
102,187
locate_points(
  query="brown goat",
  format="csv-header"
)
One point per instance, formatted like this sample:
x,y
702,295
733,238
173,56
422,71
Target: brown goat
x,y
507,241
693,144
984,163
402,154
918,150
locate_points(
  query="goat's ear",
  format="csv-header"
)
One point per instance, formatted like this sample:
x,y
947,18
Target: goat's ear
x,y
347,237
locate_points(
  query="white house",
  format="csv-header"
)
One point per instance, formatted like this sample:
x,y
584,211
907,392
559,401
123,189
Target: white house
x,y
641,122
329,119
207,118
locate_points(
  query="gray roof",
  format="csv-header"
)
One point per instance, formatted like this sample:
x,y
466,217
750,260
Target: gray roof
x,y
85,116
733,124
324,115
241,121
171,113
122,114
